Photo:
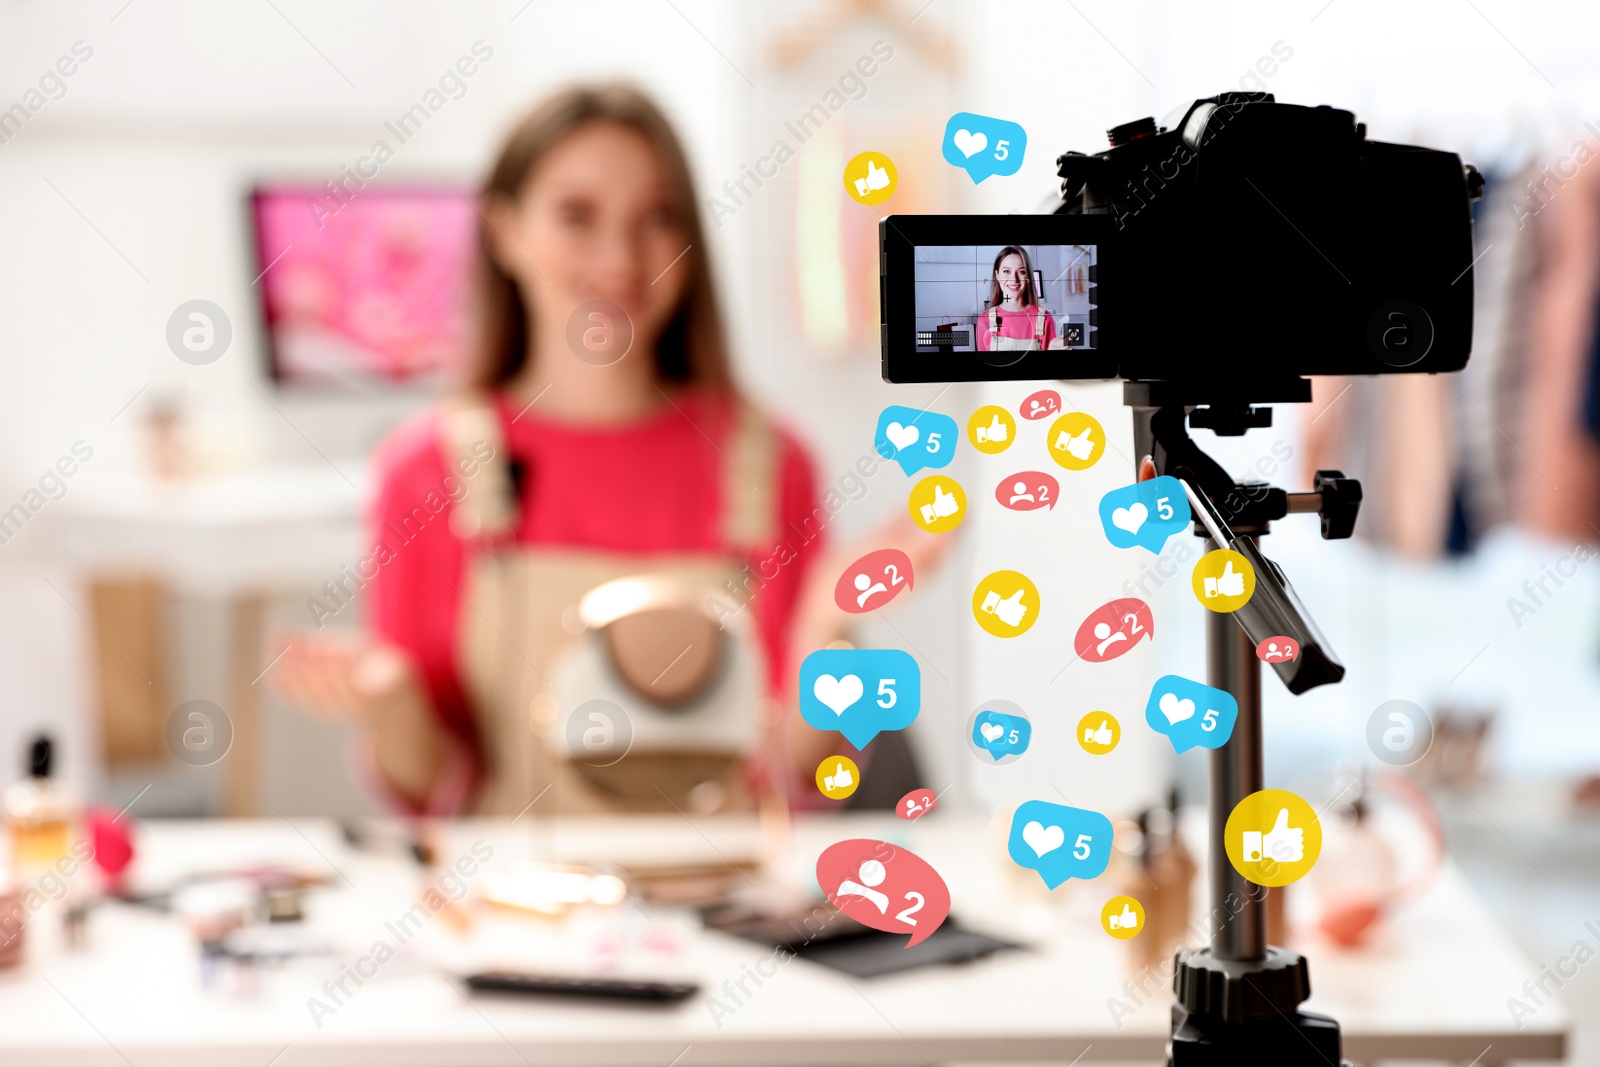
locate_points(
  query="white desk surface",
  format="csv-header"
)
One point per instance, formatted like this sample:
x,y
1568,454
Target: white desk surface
x,y
1435,985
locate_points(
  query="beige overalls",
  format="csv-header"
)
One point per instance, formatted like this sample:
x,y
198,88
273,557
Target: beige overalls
x,y
520,629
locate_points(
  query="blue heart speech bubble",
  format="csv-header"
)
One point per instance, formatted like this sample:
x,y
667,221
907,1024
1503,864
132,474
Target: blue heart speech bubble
x,y
982,146
1145,513
1059,842
860,691
1001,735
916,439
1191,714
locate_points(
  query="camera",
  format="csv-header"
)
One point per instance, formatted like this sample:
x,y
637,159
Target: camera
x,y
1213,263
1245,241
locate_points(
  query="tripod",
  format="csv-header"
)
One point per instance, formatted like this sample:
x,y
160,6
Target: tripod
x,y
1239,999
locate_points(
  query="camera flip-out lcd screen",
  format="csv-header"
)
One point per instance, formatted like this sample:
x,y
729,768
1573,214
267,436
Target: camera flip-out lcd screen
x,y
1005,298
993,297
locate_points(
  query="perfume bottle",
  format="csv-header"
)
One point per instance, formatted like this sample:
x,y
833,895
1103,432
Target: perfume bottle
x,y
38,812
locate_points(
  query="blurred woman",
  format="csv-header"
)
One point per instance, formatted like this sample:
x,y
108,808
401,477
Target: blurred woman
x,y
601,437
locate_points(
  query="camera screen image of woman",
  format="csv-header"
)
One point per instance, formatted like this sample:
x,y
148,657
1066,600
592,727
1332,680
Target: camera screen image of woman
x,y
1013,318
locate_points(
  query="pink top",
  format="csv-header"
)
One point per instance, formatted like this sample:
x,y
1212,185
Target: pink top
x,y
1018,324
652,486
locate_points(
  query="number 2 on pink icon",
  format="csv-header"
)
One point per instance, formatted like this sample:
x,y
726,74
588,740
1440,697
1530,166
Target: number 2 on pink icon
x,y
873,580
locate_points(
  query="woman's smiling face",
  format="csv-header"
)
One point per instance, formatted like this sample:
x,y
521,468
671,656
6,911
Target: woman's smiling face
x,y
1012,276
597,220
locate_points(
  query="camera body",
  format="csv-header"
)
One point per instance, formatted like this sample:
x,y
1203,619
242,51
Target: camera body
x,y
1250,242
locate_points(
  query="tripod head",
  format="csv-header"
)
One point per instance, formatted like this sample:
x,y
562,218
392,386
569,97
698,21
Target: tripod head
x,y
1235,514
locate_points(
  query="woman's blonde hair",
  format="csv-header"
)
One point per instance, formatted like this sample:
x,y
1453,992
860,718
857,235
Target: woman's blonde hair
x,y
691,347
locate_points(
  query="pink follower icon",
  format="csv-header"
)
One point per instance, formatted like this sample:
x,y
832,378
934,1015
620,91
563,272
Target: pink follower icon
x,y
916,804
1041,405
1278,650
884,887
1112,629
873,580
1028,491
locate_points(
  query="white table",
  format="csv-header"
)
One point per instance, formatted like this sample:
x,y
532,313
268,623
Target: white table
x,y
238,540
1435,987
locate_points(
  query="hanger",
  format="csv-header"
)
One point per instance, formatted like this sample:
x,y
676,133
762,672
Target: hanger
x,y
793,44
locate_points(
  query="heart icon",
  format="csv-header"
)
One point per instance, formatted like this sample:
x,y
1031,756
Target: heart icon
x,y
1174,709
1131,518
1043,839
837,694
970,143
992,730
901,436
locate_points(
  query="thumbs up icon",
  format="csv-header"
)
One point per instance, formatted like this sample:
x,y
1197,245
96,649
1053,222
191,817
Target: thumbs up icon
x,y
1100,736
840,778
943,504
877,178
1078,446
994,433
1283,843
1229,583
869,178
1009,611
1125,923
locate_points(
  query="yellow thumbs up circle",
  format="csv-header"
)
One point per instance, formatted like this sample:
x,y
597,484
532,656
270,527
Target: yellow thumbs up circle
x,y
837,777
1273,837
1122,918
870,178
937,503
991,429
1223,580
1006,603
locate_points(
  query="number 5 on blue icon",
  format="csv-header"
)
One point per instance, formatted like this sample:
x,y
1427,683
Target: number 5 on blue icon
x,y
860,691
983,146
916,439
1191,714
1059,842
1145,513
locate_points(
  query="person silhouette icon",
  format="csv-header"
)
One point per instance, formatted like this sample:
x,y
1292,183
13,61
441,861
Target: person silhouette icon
x,y
1019,491
872,873
1103,634
866,587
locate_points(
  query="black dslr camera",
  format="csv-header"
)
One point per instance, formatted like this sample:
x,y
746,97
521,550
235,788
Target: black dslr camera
x,y
1248,242
1211,264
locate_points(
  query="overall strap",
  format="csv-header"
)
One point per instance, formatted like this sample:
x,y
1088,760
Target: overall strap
x,y
749,484
469,429
1038,328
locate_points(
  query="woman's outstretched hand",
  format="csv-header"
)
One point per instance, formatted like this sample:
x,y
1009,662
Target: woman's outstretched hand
x,y
373,685
338,676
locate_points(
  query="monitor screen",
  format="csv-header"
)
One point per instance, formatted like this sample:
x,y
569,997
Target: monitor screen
x,y
997,298
369,291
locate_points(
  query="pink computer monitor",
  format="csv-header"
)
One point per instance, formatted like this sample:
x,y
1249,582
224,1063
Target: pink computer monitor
x,y
371,290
